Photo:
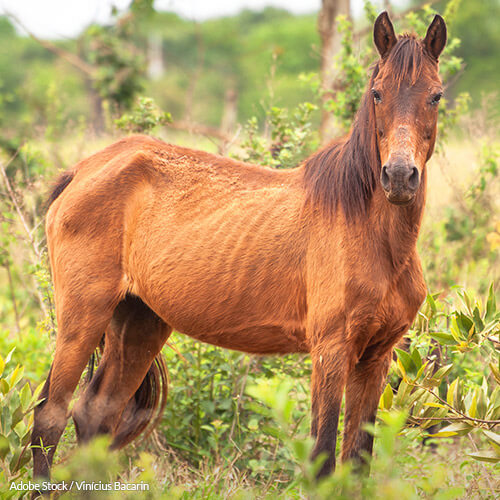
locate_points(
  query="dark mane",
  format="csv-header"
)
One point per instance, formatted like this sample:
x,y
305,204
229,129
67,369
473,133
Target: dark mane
x,y
346,171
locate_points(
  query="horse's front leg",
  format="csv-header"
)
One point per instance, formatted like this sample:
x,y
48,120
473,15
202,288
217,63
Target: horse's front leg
x,y
363,389
330,368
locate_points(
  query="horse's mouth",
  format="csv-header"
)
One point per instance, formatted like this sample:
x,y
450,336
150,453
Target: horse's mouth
x,y
401,201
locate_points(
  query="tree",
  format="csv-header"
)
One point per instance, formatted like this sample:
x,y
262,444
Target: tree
x,y
330,45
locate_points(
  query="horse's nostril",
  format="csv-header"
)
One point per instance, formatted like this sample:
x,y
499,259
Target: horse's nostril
x,y
384,179
413,180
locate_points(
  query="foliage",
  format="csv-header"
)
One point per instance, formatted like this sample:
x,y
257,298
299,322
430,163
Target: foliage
x,y
119,67
474,23
291,137
211,408
17,401
237,51
145,117
388,477
351,76
452,373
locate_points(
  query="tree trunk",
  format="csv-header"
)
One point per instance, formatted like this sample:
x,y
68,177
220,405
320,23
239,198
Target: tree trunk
x,y
230,112
155,56
96,109
330,45
200,62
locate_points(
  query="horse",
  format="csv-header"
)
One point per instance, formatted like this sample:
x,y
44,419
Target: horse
x,y
145,237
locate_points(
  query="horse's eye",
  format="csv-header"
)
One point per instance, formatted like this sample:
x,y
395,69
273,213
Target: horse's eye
x,y
436,98
376,96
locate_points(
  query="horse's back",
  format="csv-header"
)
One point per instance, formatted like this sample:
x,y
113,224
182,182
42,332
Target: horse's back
x,y
109,178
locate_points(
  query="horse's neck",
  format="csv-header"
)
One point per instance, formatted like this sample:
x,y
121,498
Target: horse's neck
x,y
398,227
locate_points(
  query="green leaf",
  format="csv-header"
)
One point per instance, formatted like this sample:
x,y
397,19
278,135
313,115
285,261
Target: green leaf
x,y
464,324
4,386
491,305
404,390
386,398
36,394
415,396
435,405
406,361
482,403
478,322
466,300
457,396
25,458
454,329
416,358
27,436
421,370
457,428
16,375
4,447
17,415
442,372
486,456
301,449
25,396
431,302
7,358
444,338
401,370
451,390
472,411
492,436
495,371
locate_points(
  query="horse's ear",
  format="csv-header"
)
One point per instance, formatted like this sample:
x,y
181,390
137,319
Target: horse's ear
x,y
435,39
383,35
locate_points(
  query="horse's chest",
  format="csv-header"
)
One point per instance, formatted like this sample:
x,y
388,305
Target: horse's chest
x,y
398,308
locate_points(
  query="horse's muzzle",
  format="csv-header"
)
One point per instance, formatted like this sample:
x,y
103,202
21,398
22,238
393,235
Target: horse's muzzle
x,y
400,182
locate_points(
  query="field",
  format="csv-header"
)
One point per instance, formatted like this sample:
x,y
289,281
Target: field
x,y
237,426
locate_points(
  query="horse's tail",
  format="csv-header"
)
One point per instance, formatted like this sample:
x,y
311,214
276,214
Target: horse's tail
x,y
60,185
144,410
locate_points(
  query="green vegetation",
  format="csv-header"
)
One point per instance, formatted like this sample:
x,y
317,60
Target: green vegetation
x,y
202,61
237,426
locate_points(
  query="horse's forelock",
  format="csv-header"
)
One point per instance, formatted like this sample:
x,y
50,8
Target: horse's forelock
x,y
406,60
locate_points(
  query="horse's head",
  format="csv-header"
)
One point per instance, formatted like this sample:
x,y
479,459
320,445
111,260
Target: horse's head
x,y
406,91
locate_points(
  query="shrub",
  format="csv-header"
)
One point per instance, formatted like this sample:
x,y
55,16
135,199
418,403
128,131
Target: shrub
x,y
17,401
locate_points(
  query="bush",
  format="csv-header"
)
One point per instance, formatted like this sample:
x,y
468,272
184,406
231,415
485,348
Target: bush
x,y
17,401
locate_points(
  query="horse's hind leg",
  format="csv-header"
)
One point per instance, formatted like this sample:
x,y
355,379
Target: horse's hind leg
x,y
363,389
124,391
82,320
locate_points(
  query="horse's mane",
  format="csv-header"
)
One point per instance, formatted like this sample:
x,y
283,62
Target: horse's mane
x,y
345,172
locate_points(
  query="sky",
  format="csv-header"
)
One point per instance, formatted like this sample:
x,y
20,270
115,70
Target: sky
x,y
66,18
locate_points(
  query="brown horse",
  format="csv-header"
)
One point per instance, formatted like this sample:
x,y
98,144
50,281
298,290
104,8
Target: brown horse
x,y
145,237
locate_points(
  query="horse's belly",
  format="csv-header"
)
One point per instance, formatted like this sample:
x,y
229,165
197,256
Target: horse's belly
x,y
252,319
256,340
229,274
259,312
